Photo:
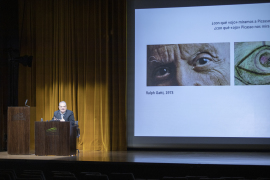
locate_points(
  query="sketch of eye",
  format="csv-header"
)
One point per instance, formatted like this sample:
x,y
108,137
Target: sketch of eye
x,y
254,69
265,59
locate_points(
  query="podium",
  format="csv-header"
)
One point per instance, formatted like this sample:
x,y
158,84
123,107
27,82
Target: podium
x,y
55,138
18,130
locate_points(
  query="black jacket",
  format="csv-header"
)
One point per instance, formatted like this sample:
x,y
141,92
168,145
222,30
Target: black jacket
x,y
68,116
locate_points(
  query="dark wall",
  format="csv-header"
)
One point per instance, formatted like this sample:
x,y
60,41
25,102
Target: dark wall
x,y
9,43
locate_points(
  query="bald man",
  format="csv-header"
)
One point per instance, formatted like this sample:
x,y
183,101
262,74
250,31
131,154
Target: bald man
x,y
200,64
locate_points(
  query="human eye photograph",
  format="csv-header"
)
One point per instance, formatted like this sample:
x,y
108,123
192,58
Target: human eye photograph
x,y
198,64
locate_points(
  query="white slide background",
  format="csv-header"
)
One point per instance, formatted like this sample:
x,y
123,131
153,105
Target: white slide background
x,y
200,111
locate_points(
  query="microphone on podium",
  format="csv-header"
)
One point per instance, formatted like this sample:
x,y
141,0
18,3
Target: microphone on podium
x,y
26,103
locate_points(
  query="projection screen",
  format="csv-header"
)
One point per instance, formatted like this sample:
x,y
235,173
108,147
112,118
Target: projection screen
x,y
198,74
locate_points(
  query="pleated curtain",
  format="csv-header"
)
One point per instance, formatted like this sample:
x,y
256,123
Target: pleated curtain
x,y
79,50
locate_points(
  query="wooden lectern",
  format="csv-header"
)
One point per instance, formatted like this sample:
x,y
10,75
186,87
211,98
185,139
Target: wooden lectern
x,y
55,138
18,130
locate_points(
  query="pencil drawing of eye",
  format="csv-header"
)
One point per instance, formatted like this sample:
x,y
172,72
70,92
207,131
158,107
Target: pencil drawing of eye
x,y
254,67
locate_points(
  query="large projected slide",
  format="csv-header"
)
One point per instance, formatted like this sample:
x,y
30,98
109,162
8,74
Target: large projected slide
x,y
202,72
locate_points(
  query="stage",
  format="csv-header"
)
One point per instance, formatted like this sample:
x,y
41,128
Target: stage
x,y
148,164
181,157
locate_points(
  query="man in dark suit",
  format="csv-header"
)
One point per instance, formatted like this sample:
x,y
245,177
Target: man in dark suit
x,y
63,114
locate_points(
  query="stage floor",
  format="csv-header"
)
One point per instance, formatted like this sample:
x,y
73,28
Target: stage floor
x,y
168,157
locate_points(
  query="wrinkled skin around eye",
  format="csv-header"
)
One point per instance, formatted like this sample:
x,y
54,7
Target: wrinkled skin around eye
x,y
162,73
161,65
189,64
210,64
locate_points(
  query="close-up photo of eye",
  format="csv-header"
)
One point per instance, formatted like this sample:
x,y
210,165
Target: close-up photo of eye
x,y
254,69
196,64
202,62
162,73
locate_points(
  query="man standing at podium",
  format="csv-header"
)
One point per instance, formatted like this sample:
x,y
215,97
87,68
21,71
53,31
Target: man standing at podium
x,y
63,114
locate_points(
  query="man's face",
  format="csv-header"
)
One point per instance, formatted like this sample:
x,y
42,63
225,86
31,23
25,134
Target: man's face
x,y
201,64
62,107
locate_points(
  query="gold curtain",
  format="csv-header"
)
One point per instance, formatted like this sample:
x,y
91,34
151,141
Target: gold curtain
x,y
79,50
